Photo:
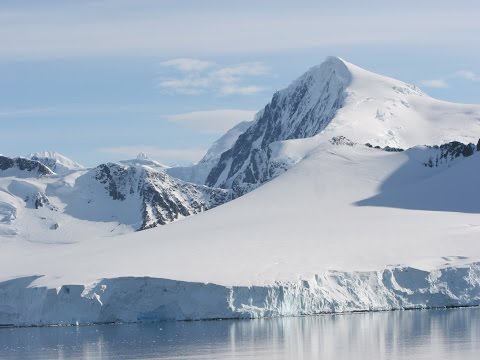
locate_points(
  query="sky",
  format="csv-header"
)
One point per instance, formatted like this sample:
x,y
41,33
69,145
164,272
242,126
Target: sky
x,y
102,80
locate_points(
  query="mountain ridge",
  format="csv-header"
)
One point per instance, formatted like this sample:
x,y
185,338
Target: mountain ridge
x,y
57,162
332,99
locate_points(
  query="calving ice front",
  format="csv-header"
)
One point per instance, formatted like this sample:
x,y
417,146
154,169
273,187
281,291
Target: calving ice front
x,y
348,191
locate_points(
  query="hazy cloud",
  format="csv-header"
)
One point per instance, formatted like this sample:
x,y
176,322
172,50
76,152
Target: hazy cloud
x,y
25,111
240,90
443,84
212,121
468,75
234,73
435,83
197,78
187,65
163,28
189,85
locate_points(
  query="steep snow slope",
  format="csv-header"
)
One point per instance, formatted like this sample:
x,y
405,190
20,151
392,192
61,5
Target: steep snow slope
x,y
58,163
337,98
198,173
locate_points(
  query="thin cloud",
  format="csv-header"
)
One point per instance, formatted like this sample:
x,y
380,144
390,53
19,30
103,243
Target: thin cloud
x,y
170,156
98,28
212,121
189,85
234,73
443,84
468,75
187,64
198,78
26,111
240,90
435,83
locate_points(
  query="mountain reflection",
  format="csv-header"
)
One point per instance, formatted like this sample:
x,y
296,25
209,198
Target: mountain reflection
x,y
439,334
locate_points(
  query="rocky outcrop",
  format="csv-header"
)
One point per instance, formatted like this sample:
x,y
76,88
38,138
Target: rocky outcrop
x,y
445,153
162,198
29,167
386,148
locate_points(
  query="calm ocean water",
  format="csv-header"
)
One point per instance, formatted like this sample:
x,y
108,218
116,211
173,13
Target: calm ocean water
x,y
417,334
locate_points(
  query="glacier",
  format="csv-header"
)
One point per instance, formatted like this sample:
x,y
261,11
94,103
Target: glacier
x,y
131,299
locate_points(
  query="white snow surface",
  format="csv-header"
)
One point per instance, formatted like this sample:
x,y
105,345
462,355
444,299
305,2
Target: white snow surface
x,y
385,111
346,228
300,223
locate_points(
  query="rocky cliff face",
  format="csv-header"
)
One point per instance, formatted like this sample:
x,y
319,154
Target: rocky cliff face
x,y
21,166
302,110
448,152
160,197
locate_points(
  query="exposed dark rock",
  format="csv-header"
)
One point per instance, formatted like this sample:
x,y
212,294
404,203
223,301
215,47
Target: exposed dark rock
x,y
448,152
392,149
163,198
341,140
38,200
35,167
104,175
386,148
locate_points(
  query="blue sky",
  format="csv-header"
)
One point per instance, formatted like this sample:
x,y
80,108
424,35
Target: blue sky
x,y
103,80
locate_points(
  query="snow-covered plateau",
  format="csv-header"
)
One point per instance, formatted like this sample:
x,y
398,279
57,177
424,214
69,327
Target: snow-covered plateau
x,y
352,192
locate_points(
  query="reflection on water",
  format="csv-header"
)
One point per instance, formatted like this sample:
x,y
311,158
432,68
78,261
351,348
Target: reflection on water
x,y
419,334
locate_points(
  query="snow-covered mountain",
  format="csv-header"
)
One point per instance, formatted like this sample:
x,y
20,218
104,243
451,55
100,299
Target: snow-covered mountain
x,y
138,195
58,163
368,201
225,142
198,173
332,99
107,200
143,159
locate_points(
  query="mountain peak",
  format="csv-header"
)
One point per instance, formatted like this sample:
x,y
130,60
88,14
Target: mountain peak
x,y
331,68
57,162
337,98
142,159
142,156
337,65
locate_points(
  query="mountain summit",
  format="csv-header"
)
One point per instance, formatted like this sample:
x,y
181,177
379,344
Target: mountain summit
x,y
55,161
337,98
